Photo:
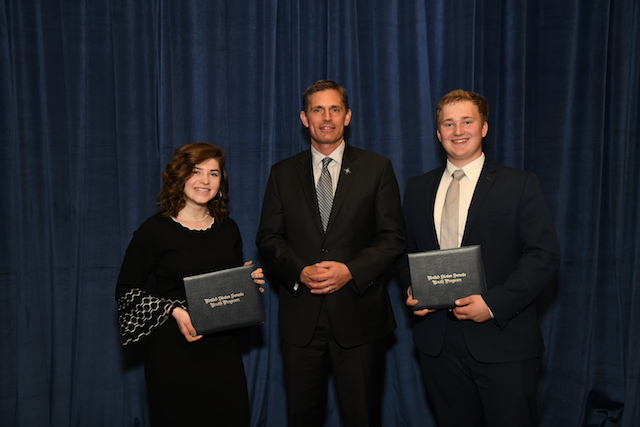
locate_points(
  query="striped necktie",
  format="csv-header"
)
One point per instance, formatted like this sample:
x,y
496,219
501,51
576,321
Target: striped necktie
x,y
324,191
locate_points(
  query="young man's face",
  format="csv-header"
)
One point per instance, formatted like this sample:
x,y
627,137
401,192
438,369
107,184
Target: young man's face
x,y
460,132
326,118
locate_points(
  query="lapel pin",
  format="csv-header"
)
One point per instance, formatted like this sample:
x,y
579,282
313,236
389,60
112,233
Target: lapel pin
x,y
346,171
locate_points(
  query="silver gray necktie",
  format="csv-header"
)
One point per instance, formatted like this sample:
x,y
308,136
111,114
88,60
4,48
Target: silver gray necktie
x,y
450,213
324,191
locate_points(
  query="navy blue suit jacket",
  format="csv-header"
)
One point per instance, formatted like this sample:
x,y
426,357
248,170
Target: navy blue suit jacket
x,y
365,231
509,218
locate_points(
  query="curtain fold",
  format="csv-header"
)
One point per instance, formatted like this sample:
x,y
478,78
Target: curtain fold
x,y
96,95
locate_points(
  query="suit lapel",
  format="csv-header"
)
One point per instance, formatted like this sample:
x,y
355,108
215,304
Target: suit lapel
x,y
305,177
430,201
345,180
485,182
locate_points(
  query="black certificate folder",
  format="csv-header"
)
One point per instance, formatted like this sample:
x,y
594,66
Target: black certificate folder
x,y
440,277
224,299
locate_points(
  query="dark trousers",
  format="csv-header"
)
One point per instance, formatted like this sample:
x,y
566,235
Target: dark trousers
x,y
358,374
465,392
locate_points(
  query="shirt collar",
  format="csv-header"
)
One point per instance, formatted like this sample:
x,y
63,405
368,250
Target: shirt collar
x,y
471,170
336,155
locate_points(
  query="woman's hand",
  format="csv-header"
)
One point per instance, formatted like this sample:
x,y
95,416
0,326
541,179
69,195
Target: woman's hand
x,y
184,324
257,275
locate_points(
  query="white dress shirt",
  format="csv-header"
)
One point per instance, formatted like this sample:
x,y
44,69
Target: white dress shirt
x,y
467,187
334,167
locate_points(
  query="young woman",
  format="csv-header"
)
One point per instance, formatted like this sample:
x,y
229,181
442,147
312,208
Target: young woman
x,y
191,379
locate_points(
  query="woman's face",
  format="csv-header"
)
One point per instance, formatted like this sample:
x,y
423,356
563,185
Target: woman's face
x,y
204,183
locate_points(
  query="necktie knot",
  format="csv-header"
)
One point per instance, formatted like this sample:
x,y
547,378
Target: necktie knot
x,y
326,161
458,174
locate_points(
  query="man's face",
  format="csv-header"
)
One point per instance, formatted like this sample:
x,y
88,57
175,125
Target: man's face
x,y
326,117
460,131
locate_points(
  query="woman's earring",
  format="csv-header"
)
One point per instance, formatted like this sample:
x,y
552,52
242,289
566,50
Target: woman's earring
x,y
217,198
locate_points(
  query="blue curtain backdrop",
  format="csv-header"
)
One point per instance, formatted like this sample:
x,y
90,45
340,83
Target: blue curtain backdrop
x,y
95,96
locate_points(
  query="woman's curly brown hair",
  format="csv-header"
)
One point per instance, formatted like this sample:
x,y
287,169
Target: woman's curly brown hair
x,y
179,170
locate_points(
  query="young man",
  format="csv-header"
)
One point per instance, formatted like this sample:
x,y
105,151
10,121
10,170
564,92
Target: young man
x,y
480,360
331,224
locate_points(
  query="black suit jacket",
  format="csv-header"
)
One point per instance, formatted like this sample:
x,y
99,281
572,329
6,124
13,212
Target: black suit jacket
x,y
365,231
509,218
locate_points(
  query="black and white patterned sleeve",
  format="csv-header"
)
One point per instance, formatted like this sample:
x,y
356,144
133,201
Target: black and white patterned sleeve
x,y
140,313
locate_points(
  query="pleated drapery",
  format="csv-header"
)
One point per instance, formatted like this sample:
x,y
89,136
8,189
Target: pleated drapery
x,y
95,96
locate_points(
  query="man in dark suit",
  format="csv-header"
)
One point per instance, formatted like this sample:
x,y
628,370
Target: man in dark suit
x,y
334,311
480,361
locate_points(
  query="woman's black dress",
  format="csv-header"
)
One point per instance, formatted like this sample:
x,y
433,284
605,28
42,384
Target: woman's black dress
x,y
189,384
